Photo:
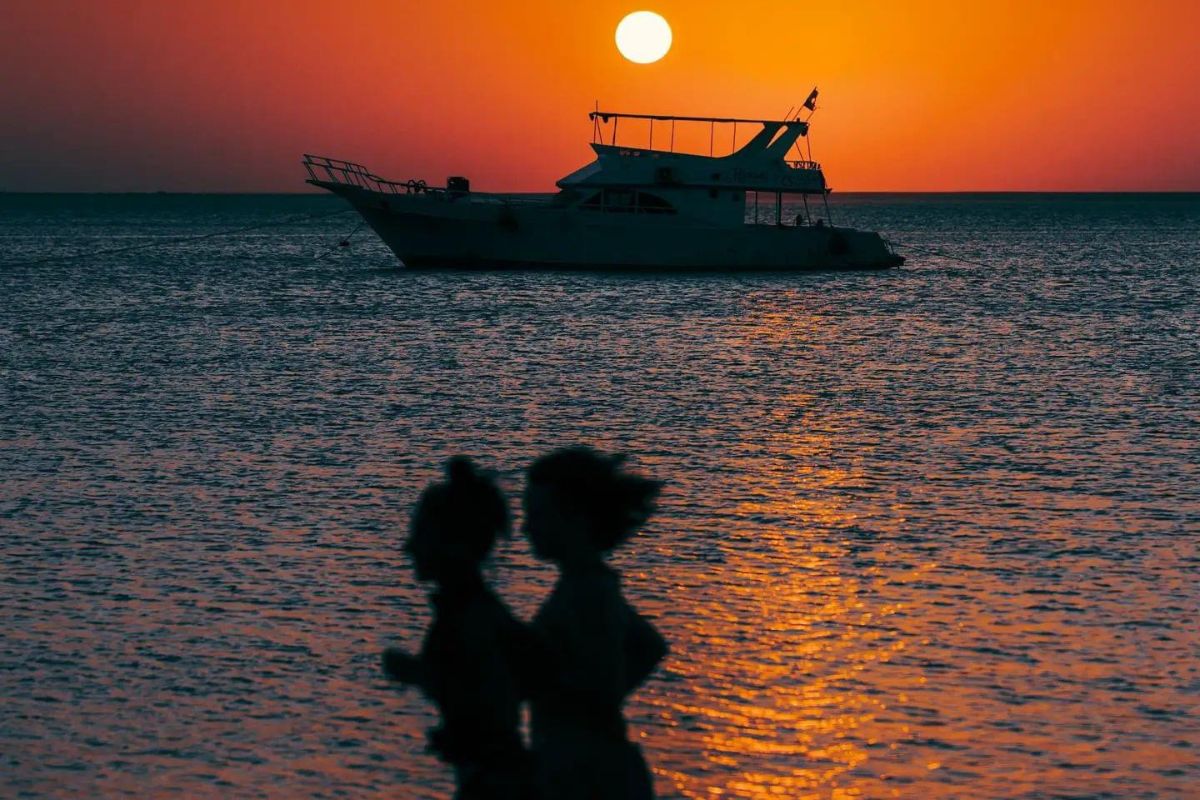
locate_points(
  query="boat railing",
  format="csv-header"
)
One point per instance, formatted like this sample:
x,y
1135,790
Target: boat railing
x,y
811,165
322,169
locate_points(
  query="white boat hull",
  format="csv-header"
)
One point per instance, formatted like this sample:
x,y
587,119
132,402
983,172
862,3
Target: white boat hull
x,y
473,232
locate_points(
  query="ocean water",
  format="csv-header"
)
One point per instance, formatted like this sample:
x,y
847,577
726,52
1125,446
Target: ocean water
x,y
930,532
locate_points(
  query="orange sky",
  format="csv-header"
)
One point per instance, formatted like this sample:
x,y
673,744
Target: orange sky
x,y
218,95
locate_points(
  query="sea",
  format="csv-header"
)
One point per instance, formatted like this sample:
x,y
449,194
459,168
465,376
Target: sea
x,y
926,532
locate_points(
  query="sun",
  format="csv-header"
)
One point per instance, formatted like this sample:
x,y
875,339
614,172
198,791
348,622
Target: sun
x,y
643,37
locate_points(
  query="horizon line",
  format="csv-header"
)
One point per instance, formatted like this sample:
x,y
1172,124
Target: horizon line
x,y
303,193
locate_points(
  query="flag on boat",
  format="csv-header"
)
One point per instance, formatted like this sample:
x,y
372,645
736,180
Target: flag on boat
x,y
811,102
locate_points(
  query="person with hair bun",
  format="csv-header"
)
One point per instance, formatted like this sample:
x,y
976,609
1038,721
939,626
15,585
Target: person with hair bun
x,y
580,505
474,661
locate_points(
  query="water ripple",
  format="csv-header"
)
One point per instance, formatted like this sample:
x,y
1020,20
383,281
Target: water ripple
x,y
927,532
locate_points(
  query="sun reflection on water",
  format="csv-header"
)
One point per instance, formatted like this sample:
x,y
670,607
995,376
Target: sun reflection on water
x,y
781,663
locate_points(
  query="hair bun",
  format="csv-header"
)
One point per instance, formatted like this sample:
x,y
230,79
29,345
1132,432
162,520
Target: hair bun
x,y
461,470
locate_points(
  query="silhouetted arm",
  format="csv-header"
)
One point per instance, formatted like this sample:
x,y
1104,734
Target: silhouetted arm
x,y
478,683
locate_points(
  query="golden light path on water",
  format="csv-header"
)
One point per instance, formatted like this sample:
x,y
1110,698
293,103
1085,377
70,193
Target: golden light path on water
x,y
927,533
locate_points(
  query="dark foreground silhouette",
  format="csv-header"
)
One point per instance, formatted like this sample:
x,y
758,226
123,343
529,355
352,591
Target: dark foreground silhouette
x,y
476,658
585,652
579,505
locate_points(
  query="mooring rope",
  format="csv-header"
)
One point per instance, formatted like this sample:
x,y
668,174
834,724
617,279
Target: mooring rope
x,y
173,240
343,242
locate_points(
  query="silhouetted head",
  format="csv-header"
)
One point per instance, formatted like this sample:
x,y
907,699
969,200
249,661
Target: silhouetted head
x,y
456,523
579,503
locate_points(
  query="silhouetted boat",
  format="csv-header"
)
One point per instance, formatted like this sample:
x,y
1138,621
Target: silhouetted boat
x,y
632,208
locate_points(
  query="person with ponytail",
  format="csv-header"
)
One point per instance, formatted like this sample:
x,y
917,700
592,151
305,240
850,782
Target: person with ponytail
x,y
579,506
473,661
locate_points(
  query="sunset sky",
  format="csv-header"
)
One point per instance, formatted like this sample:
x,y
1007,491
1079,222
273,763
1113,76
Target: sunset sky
x,y
218,95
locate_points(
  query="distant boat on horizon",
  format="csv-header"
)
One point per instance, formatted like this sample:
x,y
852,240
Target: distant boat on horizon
x,y
632,208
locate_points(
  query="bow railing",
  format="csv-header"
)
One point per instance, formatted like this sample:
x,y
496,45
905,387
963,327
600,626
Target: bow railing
x,y
322,170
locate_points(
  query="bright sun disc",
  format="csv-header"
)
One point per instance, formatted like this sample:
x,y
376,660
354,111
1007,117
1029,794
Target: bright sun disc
x,y
643,37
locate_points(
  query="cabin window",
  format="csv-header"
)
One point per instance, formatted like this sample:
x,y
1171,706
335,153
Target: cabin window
x,y
627,201
618,201
653,204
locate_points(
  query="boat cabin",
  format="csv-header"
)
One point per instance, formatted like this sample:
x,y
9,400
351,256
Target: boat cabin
x,y
751,182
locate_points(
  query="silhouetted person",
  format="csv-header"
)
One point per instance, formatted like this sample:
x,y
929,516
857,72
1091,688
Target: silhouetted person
x,y
579,505
471,662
